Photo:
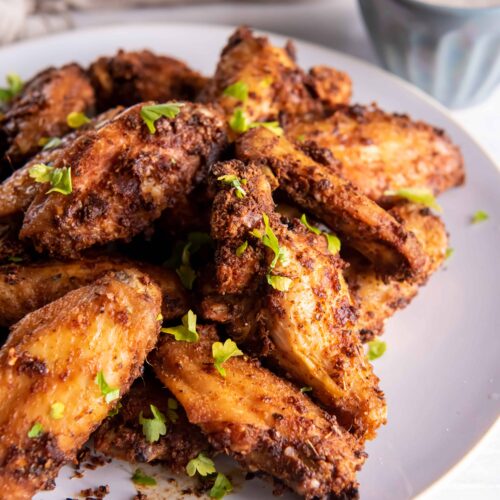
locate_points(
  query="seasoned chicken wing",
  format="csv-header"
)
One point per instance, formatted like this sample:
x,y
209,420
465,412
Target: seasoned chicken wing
x,y
131,77
379,151
123,177
262,421
316,188
26,287
41,109
63,369
377,297
309,317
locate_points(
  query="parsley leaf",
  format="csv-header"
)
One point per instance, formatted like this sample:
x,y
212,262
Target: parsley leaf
x,y
449,252
159,318
238,90
313,229
76,119
49,143
187,331
57,410
35,431
201,465
333,242
479,216
153,428
239,122
14,86
59,178
307,388
376,348
241,249
150,114
221,487
274,127
143,479
235,182
280,283
222,352
416,195
114,411
185,272
109,393
172,407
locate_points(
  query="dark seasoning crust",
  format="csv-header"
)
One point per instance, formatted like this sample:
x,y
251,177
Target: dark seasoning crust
x,y
85,287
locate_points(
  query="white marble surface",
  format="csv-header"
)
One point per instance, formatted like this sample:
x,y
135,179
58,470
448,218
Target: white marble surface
x,y
337,24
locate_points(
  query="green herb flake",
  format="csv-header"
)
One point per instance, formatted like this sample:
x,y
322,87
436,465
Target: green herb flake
x,y
280,283
77,119
50,143
221,487
222,352
241,249
313,229
153,428
109,393
422,196
35,431
333,242
201,465
57,410
187,331
273,127
301,138
114,411
449,252
172,407
306,389
238,90
376,349
150,114
139,477
235,182
59,178
15,259
159,318
479,216
238,121
14,87
185,272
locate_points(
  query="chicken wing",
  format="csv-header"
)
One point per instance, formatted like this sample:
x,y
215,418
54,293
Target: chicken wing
x,y
379,151
331,86
262,421
131,77
123,178
63,368
313,186
41,110
377,297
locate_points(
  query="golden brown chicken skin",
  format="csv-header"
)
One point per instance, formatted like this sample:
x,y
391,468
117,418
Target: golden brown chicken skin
x,y
265,423
123,178
41,109
27,287
379,151
331,86
377,297
316,188
309,324
54,355
131,77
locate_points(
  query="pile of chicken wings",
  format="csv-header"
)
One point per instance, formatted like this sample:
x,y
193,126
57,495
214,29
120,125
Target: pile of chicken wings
x,y
190,266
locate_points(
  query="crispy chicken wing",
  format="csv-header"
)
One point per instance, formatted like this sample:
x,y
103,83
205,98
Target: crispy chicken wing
x,y
377,297
131,77
313,186
41,109
379,151
262,421
123,178
309,324
331,86
53,356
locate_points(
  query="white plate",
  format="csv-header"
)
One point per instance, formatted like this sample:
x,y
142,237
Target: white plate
x,y
441,370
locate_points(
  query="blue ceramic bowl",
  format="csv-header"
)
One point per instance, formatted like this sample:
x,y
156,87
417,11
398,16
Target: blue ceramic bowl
x,y
452,53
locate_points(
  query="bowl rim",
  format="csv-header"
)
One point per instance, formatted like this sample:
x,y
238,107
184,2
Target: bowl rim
x,y
463,9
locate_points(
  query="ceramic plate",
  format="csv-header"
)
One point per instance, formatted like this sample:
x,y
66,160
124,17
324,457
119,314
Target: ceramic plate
x,y
440,372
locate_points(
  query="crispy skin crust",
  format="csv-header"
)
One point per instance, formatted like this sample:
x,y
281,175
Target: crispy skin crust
x,y
333,87
42,107
265,423
131,77
27,287
377,298
316,188
379,151
123,178
53,355
121,436
309,325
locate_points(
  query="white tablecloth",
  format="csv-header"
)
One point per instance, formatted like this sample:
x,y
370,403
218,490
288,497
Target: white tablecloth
x,y
337,24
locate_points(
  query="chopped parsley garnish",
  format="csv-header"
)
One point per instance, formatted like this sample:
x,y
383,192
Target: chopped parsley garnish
x,y
114,411
76,119
376,348
222,352
159,318
150,114
422,196
238,90
479,216
221,487
15,259
280,283
449,252
201,465
172,407
57,410
307,388
153,428
14,87
235,182
241,249
59,178
301,138
274,127
332,240
313,229
143,479
187,331
185,272
109,393
239,123
35,431
49,143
